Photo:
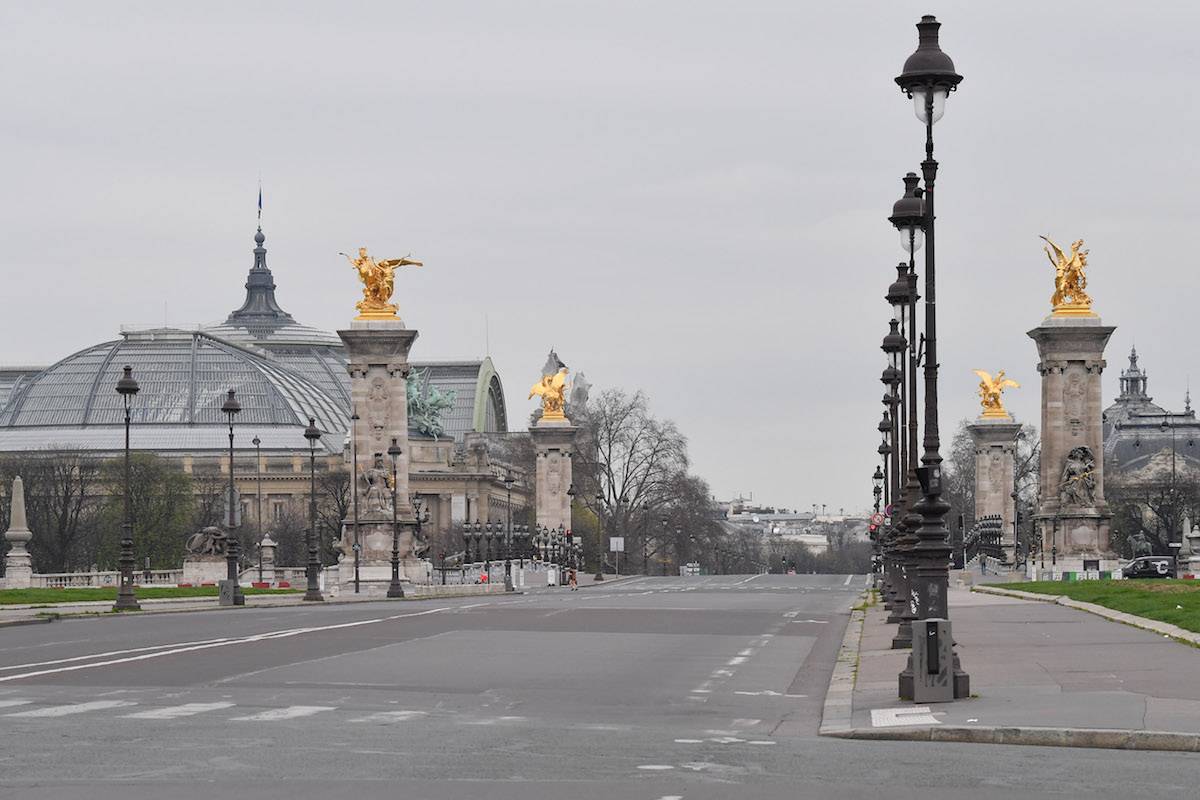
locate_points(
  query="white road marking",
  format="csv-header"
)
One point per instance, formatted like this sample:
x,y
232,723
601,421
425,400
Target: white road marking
x,y
258,637
848,579
291,712
75,708
895,717
791,614
733,662
111,653
745,723
749,651
671,797
655,766
391,716
759,741
175,712
752,577
813,621
11,703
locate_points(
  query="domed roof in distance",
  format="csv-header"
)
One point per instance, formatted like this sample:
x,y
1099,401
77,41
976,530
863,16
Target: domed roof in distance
x,y
183,378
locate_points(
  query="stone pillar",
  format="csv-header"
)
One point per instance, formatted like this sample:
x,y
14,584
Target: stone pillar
x,y
995,455
1072,514
554,444
18,566
377,355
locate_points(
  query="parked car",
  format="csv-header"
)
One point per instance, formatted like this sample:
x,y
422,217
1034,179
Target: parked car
x,y
1149,567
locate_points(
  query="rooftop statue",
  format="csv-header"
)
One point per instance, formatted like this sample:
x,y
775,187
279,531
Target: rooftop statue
x,y
552,389
1070,280
379,282
989,394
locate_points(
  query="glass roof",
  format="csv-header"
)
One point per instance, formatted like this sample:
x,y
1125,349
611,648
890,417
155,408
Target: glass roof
x,y
183,378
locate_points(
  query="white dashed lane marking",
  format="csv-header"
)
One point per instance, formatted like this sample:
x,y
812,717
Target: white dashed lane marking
x,y
74,708
11,703
291,712
175,712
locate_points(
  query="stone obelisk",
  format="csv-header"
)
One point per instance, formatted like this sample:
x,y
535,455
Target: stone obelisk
x,y
1072,515
18,566
995,436
377,347
553,438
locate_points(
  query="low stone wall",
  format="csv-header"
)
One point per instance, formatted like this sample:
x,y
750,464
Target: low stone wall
x,y
458,590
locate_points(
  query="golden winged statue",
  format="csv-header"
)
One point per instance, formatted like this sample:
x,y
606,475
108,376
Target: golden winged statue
x,y
1070,280
552,389
379,281
989,393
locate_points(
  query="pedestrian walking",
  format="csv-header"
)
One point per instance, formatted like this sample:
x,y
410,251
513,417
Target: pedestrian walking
x,y
573,582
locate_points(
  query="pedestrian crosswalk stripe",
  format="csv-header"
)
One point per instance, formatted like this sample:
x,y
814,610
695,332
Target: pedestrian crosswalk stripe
x,y
11,703
173,712
74,708
291,712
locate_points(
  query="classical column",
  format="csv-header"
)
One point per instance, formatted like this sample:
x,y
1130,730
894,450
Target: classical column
x,y
995,456
554,444
1072,515
18,566
377,355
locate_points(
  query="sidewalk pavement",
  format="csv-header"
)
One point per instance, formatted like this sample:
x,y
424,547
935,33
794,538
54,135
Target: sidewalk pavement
x,y
1040,673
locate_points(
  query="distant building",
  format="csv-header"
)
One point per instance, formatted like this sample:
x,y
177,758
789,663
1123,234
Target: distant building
x,y
1142,439
283,372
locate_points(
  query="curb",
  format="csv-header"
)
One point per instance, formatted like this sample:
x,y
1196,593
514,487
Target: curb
x,y
1165,628
12,623
1095,738
839,697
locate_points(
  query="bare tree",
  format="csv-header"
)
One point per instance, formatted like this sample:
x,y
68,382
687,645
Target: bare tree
x,y
63,495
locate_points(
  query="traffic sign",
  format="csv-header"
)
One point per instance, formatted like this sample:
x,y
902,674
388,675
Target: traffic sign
x,y
877,518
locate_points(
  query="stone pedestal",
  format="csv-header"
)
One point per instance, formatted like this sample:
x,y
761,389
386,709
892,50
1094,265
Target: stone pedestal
x,y
199,570
267,552
18,566
554,444
1072,514
377,355
995,455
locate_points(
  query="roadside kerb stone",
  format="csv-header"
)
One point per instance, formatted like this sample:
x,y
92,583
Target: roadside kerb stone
x,y
1165,628
839,697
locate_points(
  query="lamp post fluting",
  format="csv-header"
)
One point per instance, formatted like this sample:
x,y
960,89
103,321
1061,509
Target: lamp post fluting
x,y
312,570
395,589
354,491
127,387
231,408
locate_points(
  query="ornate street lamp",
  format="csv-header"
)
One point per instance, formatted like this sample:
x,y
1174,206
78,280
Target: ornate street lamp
x,y
928,78
127,387
257,442
508,579
395,589
233,548
877,485
599,576
313,569
357,546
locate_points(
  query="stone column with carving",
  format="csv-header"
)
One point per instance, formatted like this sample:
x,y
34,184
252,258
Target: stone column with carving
x,y
554,445
377,355
995,456
18,565
1072,514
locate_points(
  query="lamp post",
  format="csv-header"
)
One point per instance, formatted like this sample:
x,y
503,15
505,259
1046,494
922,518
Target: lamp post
x,y
508,579
599,576
127,387
395,589
233,549
928,78
354,489
257,442
312,570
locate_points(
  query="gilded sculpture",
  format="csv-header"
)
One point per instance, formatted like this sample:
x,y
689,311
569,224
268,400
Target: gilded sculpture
x,y
379,282
552,389
1070,280
990,390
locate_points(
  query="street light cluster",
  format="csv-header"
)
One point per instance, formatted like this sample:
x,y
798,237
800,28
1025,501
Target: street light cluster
x,y
912,548
128,388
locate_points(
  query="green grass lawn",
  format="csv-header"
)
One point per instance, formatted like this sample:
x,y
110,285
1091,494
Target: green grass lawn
x,y
53,596
1176,602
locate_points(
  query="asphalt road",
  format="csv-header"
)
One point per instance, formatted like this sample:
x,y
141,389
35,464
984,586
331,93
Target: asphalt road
x,y
652,688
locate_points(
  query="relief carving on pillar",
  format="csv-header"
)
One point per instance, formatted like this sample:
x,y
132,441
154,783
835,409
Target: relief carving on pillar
x,y
1078,484
1075,399
996,470
377,409
554,477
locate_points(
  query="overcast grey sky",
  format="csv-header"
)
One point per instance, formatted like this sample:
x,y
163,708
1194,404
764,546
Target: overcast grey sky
x,y
688,197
